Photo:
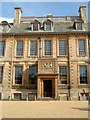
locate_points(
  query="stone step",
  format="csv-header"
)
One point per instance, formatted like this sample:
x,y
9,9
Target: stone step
x,y
46,99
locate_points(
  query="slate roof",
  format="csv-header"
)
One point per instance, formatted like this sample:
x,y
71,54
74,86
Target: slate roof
x,y
60,24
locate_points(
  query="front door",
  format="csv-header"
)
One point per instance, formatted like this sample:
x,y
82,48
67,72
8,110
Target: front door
x,y
47,88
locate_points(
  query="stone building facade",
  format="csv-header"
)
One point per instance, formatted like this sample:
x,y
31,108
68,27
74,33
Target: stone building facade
x,y
45,57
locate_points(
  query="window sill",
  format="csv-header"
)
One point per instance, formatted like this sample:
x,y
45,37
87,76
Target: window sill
x,y
48,56
62,84
19,56
83,85
17,85
62,56
81,55
2,56
32,56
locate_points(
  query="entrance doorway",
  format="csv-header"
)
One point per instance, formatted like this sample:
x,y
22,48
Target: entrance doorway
x,y
47,88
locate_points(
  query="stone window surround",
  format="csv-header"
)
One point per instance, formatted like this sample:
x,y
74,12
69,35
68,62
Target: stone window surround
x,y
66,47
16,47
64,64
2,65
28,72
50,46
14,74
86,45
17,92
19,45
86,39
4,48
29,48
38,26
82,64
51,26
76,26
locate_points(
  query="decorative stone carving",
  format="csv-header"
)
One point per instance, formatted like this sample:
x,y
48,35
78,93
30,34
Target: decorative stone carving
x,y
47,65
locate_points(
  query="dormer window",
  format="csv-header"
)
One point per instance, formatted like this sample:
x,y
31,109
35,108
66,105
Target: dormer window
x,y
78,26
4,26
48,25
35,25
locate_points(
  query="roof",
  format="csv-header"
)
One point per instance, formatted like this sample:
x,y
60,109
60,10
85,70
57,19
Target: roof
x,y
57,27
60,24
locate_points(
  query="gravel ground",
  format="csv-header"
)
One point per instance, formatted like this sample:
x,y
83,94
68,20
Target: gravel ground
x,y
44,109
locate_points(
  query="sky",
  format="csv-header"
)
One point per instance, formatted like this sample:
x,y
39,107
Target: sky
x,y
42,8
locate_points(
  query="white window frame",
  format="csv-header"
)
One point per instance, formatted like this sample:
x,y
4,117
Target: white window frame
x,y
14,75
45,26
4,48
29,48
17,93
82,64
16,48
2,74
76,24
66,47
86,46
51,47
33,27
59,73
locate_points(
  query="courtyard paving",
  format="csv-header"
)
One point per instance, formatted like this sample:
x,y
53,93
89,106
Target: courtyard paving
x,y
44,109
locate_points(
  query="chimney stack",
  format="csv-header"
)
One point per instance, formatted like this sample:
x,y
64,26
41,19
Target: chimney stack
x,y
82,13
17,15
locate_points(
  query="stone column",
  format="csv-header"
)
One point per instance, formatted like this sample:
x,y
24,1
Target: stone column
x,y
38,88
56,88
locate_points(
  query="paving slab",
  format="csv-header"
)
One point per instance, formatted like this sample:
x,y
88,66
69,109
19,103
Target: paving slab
x,y
44,109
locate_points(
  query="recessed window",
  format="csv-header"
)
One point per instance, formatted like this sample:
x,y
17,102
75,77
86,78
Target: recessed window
x,y
48,26
78,26
17,96
1,74
32,74
47,44
82,47
18,74
19,49
2,48
63,74
62,47
83,74
33,48
35,26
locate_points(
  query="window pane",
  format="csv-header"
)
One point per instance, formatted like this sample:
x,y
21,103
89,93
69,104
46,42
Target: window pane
x,y
35,26
32,74
79,26
83,74
47,47
17,96
1,74
19,48
2,48
81,46
18,75
63,74
48,26
62,47
33,48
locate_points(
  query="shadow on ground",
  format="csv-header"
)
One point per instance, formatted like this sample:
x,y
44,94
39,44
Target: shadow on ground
x,y
84,109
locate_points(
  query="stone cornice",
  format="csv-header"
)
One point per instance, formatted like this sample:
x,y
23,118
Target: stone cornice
x,y
47,33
